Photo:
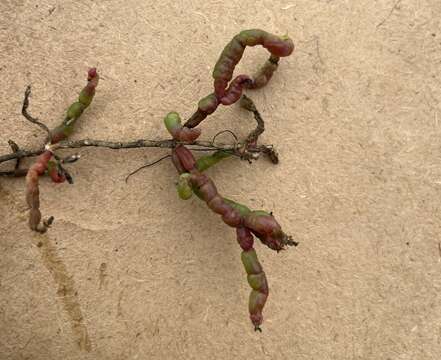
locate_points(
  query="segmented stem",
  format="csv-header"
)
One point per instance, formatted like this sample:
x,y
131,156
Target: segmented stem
x,y
247,222
228,91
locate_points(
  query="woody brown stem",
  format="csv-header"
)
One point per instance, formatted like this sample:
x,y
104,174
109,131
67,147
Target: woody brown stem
x,y
136,144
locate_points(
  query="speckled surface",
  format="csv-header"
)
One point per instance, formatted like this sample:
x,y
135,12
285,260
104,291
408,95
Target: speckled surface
x,y
130,272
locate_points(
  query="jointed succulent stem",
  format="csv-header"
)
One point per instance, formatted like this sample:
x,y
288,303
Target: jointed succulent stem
x,y
226,92
192,179
43,162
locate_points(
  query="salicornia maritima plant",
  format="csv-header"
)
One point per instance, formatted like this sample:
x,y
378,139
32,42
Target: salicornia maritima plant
x,y
192,179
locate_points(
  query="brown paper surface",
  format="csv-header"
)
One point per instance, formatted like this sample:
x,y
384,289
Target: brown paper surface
x,y
128,271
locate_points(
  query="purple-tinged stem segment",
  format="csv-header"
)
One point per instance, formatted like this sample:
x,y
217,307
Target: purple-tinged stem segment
x,y
33,192
278,46
227,93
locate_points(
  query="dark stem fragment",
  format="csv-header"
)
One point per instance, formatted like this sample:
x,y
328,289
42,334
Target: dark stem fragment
x,y
29,117
137,144
14,147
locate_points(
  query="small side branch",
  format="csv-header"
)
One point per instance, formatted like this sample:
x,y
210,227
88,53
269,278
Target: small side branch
x,y
253,136
14,173
14,147
24,112
249,105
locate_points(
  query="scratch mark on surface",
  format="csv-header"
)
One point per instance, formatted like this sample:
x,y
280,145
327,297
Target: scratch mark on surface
x,y
397,3
317,47
439,252
119,307
103,274
287,7
66,292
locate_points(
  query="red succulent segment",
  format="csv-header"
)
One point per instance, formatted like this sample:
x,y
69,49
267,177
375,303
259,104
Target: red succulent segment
x,y
185,157
234,91
232,53
244,238
56,176
188,135
232,218
267,229
207,189
218,205
33,192
91,74
176,162
92,83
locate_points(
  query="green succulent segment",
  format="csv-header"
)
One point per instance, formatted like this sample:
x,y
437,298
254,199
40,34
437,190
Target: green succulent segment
x,y
51,165
184,189
172,122
207,161
75,110
208,104
265,73
256,280
250,262
259,285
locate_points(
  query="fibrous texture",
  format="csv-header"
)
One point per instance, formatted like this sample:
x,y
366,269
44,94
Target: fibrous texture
x,y
53,168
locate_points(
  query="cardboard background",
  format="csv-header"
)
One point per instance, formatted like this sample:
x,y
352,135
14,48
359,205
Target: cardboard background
x,y
130,272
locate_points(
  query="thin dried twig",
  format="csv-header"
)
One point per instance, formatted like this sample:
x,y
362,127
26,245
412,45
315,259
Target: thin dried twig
x,y
249,105
146,166
29,117
253,136
14,148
